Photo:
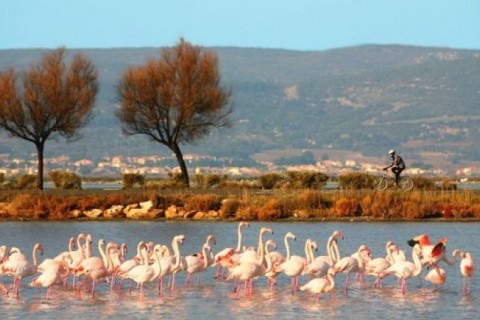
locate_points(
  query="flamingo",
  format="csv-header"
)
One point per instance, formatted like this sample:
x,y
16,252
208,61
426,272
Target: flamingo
x,y
199,262
18,266
53,271
406,269
171,264
320,285
431,254
293,265
251,254
223,258
249,269
144,273
352,264
96,268
130,263
468,266
320,265
437,276
376,266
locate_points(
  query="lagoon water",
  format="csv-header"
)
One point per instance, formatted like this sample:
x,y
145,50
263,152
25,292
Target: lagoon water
x,y
214,299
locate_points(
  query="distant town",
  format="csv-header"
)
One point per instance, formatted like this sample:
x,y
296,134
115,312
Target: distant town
x,y
161,166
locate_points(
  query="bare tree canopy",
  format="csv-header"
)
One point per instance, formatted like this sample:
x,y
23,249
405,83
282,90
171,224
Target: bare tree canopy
x,y
175,99
53,99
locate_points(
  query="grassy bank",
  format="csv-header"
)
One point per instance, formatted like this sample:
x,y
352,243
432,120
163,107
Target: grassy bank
x,y
242,204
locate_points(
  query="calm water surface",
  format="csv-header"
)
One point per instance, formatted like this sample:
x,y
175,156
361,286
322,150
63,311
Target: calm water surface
x,y
214,299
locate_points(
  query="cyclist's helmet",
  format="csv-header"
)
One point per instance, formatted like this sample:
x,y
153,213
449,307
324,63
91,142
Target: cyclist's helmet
x,y
391,151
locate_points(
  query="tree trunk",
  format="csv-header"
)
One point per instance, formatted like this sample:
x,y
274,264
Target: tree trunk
x,y
181,162
40,147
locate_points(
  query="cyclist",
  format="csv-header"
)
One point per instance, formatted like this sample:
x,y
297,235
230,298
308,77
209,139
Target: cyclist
x,y
397,165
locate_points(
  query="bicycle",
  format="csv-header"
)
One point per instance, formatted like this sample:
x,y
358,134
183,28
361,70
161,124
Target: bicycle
x,y
405,183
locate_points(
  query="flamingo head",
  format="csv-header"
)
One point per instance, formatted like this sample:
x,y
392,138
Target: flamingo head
x,y
244,224
314,245
40,248
266,230
271,243
290,235
337,233
180,239
422,240
212,238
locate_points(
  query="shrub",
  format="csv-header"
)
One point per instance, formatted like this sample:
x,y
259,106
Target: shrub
x,y
229,208
448,185
423,183
346,207
131,180
270,180
209,181
26,181
271,210
203,202
65,180
306,179
246,212
311,200
356,180
2,177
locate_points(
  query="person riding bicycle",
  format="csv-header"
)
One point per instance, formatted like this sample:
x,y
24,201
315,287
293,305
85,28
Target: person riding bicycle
x,y
397,165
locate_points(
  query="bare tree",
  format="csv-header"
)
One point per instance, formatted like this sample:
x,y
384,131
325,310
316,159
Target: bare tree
x,y
174,99
53,100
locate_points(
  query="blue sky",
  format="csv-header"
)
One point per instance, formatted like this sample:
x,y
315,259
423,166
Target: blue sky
x,y
297,25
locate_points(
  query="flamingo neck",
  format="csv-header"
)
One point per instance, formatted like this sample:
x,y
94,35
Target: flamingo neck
x,y
331,281
102,253
34,255
417,262
176,251
268,259
239,233
287,246
308,250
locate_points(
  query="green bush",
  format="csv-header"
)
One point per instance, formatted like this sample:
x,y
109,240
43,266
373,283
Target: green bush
x,y
209,181
26,181
306,179
270,180
66,180
132,180
356,180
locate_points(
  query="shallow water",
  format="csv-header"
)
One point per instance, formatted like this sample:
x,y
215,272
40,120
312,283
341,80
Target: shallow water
x,y
215,299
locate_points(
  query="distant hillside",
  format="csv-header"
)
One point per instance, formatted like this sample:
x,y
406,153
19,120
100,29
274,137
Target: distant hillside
x,y
424,102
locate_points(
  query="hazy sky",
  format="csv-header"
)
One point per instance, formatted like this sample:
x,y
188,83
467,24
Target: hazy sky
x,y
298,25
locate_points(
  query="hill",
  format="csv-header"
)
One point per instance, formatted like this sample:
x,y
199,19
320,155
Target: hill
x,y
365,100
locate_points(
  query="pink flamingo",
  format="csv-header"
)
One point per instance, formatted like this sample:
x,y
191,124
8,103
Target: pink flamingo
x,y
437,276
171,264
200,261
130,263
406,269
96,268
294,265
468,266
320,285
319,266
250,269
431,254
352,264
19,267
376,266
144,272
53,272
223,259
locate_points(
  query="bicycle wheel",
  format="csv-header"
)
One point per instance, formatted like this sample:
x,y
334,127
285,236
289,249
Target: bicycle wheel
x,y
406,183
382,183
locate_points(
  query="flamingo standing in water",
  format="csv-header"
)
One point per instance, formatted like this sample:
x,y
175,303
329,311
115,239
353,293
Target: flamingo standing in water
x,y
406,269
223,259
376,266
96,268
53,271
18,266
294,265
352,264
437,276
320,285
431,254
319,266
468,266
130,263
171,264
200,261
250,269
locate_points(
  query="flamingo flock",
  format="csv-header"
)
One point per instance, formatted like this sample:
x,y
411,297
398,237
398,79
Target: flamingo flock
x,y
81,270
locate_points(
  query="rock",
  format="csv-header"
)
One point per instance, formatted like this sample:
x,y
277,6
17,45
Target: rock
x,y
173,212
93,214
213,215
146,205
129,207
190,214
140,213
200,215
76,213
113,212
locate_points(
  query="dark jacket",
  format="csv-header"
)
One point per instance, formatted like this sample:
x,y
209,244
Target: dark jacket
x,y
397,162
